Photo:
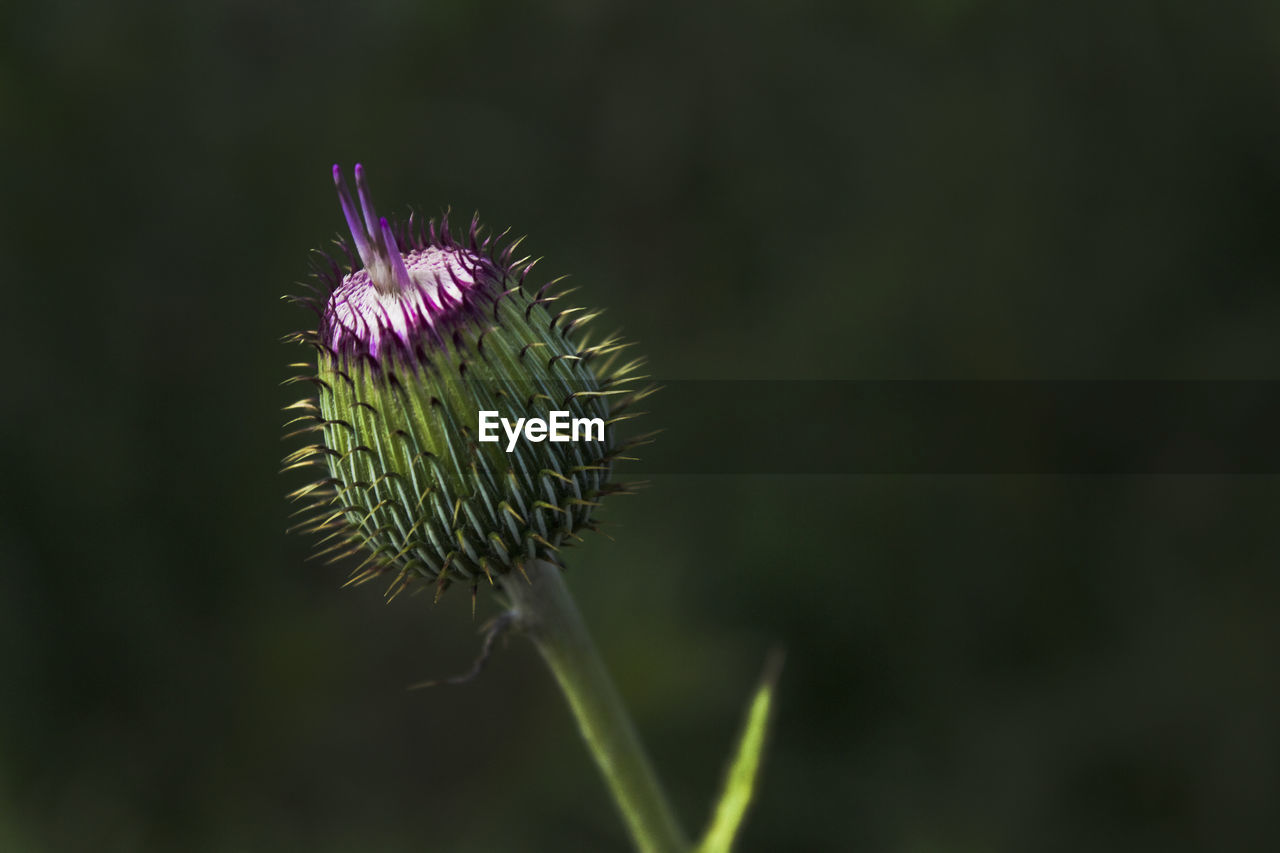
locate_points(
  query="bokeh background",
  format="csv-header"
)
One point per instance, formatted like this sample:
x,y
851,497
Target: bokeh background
x,y
932,189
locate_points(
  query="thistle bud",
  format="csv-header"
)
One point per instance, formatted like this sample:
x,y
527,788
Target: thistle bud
x,y
421,331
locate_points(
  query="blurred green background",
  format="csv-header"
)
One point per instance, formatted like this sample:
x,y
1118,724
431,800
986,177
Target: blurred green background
x,y
885,190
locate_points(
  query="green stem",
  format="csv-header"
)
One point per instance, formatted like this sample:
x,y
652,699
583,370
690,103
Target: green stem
x,y
546,612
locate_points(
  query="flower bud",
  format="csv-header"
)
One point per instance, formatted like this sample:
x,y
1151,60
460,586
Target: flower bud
x,y
421,330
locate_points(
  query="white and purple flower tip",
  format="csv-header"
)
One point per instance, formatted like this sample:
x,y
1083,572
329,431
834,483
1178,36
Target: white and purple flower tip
x,y
399,298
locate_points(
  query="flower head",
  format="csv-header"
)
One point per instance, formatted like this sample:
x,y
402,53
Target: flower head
x,y
420,332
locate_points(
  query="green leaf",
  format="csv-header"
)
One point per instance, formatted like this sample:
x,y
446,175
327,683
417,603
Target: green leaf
x,y
740,780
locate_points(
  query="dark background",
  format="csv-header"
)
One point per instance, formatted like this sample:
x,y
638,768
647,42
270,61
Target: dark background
x,y
886,190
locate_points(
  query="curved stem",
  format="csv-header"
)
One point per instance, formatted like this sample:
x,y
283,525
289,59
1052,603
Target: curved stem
x,y
547,613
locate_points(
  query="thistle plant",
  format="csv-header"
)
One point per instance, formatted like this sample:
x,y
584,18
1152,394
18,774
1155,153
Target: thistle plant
x,y
422,333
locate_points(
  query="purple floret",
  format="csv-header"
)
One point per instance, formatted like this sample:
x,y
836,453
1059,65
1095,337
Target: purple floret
x,y
400,300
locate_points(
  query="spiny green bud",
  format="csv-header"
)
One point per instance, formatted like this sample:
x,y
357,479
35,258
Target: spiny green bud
x,y
421,331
